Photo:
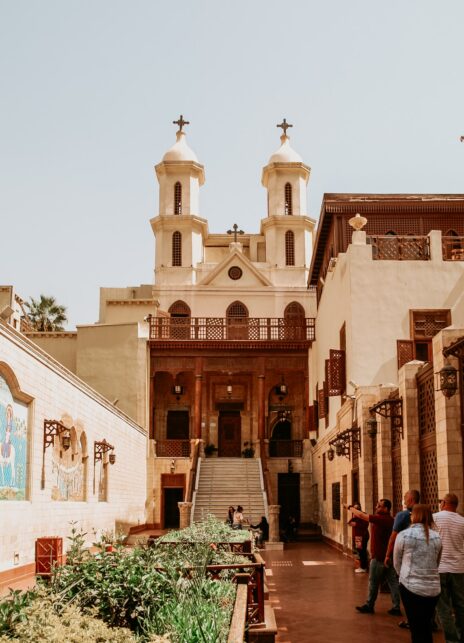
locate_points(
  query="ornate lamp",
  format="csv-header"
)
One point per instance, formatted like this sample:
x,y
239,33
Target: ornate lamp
x,y
99,450
448,378
371,425
330,454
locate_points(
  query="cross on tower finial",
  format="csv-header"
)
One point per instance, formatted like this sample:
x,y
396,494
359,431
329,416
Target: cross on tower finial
x,y
284,125
181,123
235,231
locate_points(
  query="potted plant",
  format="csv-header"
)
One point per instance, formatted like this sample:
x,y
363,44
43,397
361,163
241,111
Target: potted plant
x,y
248,451
210,450
108,539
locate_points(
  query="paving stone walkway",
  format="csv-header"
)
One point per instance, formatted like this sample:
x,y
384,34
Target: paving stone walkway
x,y
314,591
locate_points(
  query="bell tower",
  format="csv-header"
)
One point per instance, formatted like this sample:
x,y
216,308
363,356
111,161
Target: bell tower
x,y
288,230
178,228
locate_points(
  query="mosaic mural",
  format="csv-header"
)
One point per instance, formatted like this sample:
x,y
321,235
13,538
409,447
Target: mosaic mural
x,y
68,475
13,445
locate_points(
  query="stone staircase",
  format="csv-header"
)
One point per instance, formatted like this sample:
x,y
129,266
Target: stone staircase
x,y
222,482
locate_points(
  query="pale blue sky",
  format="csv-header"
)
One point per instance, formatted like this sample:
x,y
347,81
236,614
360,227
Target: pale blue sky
x,y
89,88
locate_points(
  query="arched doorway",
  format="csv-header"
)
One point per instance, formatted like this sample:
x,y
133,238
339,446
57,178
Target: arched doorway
x,y
294,315
280,440
180,319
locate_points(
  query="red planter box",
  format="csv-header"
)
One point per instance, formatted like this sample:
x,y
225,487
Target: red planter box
x,y
48,552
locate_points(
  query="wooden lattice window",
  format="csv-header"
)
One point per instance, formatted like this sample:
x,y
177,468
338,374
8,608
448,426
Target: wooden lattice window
x,y
336,500
425,324
321,402
178,198
288,199
176,248
294,311
324,477
179,309
336,373
404,351
427,437
289,248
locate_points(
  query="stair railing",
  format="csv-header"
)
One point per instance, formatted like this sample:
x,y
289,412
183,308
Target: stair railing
x,y
266,474
193,470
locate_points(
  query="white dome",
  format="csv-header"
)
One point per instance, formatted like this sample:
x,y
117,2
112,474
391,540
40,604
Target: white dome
x,y
180,151
285,153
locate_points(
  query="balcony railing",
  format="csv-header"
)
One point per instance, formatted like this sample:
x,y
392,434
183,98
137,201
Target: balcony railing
x,y
274,329
286,448
173,448
394,248
453,248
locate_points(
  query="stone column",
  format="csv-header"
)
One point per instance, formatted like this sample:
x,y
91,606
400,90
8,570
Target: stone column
x,y
184,512
197,406
274,533
261,408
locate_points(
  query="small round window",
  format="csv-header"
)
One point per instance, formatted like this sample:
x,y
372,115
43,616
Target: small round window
x,y
235,272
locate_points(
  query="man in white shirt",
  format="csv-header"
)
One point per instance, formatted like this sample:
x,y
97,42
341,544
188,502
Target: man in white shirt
x,y
450,526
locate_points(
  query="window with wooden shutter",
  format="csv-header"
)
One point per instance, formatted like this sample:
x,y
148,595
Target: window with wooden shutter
x,y
404,351
336,375
178,198
336,501
321,402
289,248
288,199
176,248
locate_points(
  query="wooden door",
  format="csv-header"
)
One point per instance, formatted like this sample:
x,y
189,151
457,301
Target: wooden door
x,y
230,434
171,496
288,489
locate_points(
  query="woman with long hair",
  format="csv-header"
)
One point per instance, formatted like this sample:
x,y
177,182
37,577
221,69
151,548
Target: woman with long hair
x,y
416,557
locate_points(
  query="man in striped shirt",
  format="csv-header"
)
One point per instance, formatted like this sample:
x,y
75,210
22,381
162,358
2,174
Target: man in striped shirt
x,y
451,568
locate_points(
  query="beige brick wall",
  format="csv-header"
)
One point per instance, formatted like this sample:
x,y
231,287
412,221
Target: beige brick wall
x,y
56,393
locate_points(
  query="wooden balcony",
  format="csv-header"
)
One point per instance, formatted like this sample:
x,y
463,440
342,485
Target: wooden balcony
x,y
395,248
221,329
286,448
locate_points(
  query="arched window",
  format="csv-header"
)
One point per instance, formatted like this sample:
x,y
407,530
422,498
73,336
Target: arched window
x,y
178,198
294,310
176,248
295,324
180,320
179,309
289,248
288,199
390,233
237,317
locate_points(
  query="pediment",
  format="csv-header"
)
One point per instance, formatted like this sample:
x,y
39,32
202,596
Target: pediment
x,y
250,276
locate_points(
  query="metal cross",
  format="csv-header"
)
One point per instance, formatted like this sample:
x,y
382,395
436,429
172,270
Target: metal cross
x,y
181,123
284,125
235,231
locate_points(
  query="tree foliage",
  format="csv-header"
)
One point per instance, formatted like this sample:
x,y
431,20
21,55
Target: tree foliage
x,y
45,314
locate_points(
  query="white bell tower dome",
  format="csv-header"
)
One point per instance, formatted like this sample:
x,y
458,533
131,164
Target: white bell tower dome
x,y
179,230
287,228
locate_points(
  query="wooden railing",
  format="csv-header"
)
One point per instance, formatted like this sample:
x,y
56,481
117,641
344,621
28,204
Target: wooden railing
x,y
273,329
453,248
286,448
395,248
173,448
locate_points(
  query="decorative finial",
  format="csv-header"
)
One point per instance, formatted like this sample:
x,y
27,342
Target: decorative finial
x,y
357,222
462,139
284,125
235,231
181,123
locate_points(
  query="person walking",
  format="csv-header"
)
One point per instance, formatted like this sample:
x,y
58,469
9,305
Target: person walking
x,y
416,556
360,539
402,521
450,526
381,528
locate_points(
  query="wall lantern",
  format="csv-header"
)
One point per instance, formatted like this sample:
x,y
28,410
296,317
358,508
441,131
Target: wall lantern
x,y
330,454
281,389
99,450
448,380
177,390
54,428
346,442
389,408
371,425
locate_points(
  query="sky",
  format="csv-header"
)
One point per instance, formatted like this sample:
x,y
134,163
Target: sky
x,y
89,90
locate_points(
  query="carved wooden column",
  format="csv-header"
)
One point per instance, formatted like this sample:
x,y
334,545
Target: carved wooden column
x,y
274,532
261,408
197,401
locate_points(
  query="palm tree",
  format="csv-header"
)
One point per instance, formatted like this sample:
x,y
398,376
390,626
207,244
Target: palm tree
x,y
45,314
